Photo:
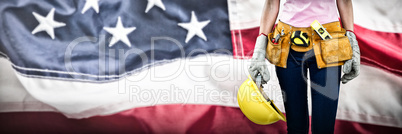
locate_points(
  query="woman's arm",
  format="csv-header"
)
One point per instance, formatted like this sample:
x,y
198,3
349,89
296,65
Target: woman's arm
x,y
269,14
351,68
345,9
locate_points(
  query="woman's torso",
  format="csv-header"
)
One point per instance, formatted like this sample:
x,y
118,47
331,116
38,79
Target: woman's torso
x,y
301,13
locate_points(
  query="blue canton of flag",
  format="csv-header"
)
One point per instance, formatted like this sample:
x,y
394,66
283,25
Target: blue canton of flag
x,y
100,40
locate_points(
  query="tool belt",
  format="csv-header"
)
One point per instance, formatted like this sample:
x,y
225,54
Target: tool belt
x,y
329,52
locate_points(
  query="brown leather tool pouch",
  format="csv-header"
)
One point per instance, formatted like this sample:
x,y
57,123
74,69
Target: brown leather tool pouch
x,y
273,53
336,49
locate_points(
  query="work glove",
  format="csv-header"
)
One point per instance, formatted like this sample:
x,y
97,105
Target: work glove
x,y
258,65
351,68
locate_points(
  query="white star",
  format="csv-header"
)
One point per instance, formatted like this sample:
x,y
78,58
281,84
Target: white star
x,y
152,3
89,4
119,33
194,27
47,23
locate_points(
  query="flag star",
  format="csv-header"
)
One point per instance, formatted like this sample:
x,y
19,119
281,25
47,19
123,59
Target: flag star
x,y
91,3
119,33
152,3
194,27
47,23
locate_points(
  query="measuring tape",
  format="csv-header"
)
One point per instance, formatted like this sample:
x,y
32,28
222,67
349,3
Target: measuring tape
x,y
300,38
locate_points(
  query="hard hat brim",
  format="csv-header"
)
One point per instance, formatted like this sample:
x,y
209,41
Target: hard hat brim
x,y
255,107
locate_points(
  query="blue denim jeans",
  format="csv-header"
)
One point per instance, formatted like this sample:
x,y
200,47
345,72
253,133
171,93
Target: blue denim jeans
x,y
324,93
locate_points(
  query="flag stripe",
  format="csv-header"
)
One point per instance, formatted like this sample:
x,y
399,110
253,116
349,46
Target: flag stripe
x,y
241,40
373,97
159,119
380,49
208,79
383,16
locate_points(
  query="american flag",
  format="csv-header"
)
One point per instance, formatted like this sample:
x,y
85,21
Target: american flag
x,y
169,66
97,40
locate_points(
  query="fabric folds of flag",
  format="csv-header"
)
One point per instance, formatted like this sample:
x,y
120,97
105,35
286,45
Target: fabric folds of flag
x,y
168,66
85,47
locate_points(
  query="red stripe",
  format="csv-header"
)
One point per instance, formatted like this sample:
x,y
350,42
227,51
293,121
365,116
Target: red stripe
x,y
161,119
243,42
380,49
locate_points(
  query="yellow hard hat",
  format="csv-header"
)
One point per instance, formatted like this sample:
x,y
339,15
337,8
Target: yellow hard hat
x,y
255,106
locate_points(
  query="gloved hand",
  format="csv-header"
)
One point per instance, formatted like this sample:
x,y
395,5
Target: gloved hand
x,y
258,64
351,68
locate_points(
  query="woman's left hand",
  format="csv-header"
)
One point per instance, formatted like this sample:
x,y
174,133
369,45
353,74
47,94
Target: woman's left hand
x,y
351,68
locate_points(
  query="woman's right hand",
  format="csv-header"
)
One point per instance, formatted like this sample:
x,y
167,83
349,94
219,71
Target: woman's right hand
x,y
268,18
258,65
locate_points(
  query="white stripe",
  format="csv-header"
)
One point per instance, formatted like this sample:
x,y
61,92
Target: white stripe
x,y
374,97
244,14
379,15
201,80
13,96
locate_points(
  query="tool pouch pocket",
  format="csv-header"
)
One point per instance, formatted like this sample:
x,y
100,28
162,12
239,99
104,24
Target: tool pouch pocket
x,y
273,53
337,49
